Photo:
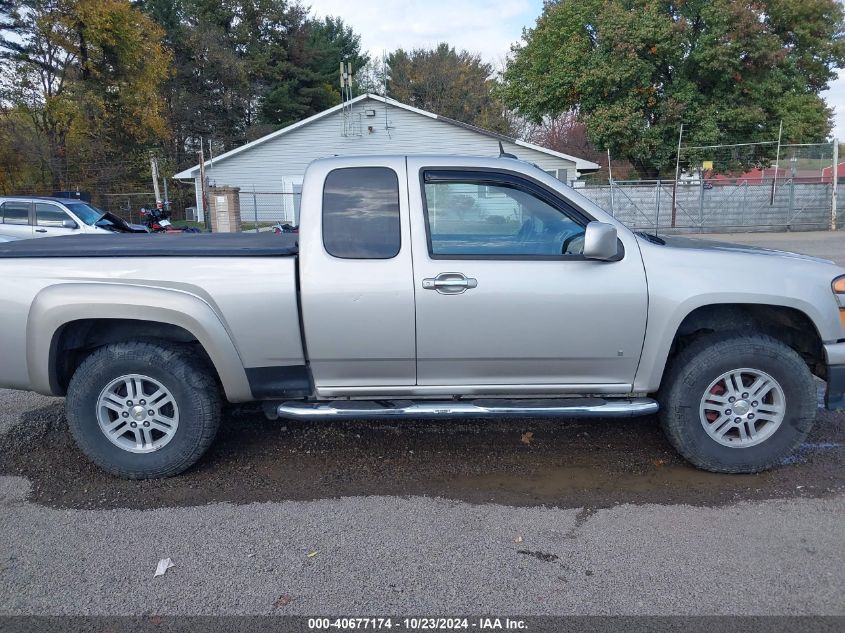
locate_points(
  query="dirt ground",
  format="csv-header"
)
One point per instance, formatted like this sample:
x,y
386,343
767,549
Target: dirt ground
x,y
566,464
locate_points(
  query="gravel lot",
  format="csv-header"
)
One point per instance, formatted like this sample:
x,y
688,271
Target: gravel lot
x,y
505,517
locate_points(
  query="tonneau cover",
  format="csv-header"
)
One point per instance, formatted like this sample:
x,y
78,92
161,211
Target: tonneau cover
x,y
156,245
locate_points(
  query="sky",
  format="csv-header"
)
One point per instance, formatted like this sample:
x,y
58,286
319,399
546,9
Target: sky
x,y
488,27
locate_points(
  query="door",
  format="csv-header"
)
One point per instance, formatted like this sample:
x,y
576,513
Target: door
x,y
14,215
504,295
51,220
356,278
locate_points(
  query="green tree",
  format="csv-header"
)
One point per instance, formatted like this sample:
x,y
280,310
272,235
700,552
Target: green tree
x,y
243,67
634,70
454,84
309,82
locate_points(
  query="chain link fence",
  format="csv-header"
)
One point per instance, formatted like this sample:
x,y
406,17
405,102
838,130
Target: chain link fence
x,y
125,204
780,188
263,210
713,206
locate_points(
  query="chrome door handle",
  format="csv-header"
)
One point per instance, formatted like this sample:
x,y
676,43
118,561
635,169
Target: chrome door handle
x,y
40,230
449,283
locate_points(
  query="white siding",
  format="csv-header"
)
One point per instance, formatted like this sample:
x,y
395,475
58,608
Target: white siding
x,y
273,165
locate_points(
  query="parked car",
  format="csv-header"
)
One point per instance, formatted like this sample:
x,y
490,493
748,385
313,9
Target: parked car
x,y
390,303
27,216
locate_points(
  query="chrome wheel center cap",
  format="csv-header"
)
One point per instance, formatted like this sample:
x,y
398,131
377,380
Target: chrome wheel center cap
x,y
742,407
138,413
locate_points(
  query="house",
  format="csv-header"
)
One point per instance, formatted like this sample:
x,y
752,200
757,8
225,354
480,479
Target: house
x,y
269,170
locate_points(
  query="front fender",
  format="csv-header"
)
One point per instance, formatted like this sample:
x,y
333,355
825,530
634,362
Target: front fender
x,y
666,316
60,304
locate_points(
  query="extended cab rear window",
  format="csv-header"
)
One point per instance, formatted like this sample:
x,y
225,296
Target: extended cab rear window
x,y
15,212
361,213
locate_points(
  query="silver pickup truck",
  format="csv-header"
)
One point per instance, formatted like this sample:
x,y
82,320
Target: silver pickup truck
x,y
424,286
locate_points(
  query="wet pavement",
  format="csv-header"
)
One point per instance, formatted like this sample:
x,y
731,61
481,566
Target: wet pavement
x,y
518,462
503,517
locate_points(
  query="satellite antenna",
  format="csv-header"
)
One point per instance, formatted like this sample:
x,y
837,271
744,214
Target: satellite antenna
x,y
504,154
346,97
384,90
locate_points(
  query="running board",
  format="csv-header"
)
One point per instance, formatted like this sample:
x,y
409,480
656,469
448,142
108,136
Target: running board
x,y
558,407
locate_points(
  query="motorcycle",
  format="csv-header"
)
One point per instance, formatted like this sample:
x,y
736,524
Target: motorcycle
x,y
280,228
158,221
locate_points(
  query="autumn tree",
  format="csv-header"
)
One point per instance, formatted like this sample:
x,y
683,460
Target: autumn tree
x,y
634,70
458,85
86,74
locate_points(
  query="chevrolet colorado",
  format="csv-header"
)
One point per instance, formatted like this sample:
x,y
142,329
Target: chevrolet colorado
x,y
424,286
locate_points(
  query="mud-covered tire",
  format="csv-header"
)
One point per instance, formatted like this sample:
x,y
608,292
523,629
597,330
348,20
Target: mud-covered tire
x,y
690,374
176,367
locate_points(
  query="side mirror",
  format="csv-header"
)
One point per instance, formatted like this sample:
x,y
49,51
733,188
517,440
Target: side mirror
x,y
600,241
67,223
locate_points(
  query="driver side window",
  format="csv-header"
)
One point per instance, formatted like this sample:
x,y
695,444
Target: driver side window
x,y
477,218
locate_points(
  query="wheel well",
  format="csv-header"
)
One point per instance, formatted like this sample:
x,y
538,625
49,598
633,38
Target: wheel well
x,y
75,340
788,325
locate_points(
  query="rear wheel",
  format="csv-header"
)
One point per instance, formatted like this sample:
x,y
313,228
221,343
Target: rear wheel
x,y
736,403
142,410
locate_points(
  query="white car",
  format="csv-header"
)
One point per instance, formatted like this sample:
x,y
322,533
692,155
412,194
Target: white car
x,y
23,217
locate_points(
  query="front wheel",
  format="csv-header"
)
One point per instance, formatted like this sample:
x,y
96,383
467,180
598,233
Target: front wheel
x,y
143,410
736,403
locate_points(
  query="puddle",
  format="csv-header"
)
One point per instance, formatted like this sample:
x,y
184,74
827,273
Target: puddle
x,y
586,464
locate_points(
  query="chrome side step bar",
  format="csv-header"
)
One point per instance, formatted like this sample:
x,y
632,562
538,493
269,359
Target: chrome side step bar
x,y
557,407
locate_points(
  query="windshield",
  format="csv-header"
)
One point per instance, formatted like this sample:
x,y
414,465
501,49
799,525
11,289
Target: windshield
x,y
85,212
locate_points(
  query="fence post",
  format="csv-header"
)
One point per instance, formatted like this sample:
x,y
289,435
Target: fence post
x,y
657,203
255,208
701,204
744,200
791,191
835,183
610,181
612,210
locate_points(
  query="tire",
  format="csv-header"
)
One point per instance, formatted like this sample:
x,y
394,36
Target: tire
x,y
186,418
694,402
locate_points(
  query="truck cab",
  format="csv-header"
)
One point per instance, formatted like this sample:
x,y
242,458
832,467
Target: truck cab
x,y
423,276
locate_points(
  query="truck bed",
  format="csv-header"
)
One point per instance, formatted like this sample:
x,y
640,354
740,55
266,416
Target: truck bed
x,y
156,245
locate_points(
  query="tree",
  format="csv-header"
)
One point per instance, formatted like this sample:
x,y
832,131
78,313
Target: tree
x,y
453,84
634,70
86,73
309,82
568,134
244,67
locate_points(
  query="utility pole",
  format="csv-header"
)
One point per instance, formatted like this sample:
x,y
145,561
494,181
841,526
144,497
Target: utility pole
x,y
610,180
833,200
166,198
777,163
677,175
154,170
203,187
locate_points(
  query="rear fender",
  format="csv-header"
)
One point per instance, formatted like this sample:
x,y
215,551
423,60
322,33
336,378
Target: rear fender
x,y
58,305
